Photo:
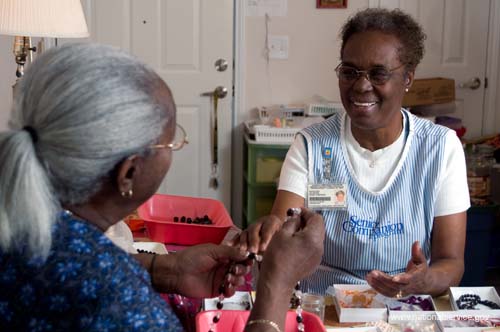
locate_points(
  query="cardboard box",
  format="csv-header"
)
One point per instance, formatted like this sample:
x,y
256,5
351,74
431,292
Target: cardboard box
x,y
404,312
467,320
485,293
376,311
429,91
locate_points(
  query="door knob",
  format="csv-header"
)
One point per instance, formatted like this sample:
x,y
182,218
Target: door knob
x,y
221,65
473,84
219,92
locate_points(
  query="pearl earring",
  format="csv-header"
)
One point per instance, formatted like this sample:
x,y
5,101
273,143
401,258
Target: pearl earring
x,y
127,194
406,90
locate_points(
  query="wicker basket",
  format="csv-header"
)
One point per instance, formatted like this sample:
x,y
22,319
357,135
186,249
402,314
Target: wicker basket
x,y
324,109
267,134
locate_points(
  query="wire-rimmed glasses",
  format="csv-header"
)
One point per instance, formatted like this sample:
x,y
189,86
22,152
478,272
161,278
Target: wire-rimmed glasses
x,y
180,139
376,75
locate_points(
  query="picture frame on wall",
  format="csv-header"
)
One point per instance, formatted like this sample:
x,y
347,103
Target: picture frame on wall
x,y
331,3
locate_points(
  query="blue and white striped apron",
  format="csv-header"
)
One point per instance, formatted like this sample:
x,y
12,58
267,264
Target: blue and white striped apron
x,y
377,229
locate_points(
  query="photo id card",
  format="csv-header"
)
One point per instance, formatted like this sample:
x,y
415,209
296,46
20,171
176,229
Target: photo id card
x,y
326,196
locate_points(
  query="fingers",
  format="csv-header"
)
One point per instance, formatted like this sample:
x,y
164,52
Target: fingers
x,y
267,231
232,282
291,226
226,253
240,269
243,240
383,283
309,221
417,256
234,242
253,238
313,222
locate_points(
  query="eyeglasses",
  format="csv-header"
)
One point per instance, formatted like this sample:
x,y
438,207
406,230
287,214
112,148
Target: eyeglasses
x,y
376,75
180,139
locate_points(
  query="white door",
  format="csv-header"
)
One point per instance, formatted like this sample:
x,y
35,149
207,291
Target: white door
x,y
456,47
181,40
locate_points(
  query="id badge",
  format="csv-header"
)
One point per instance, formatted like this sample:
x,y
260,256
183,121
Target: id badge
x,y
326,196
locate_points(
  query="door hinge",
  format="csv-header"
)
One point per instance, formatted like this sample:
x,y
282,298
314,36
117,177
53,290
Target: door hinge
x,y
486,82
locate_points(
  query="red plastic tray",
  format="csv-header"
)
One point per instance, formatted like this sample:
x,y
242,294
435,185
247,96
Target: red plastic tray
x,y
159,211
235,320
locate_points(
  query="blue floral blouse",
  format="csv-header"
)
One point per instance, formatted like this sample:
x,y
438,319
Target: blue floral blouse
x,y
87,283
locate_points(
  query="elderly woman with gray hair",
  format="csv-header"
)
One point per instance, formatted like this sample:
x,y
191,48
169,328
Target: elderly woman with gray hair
x,y
90,140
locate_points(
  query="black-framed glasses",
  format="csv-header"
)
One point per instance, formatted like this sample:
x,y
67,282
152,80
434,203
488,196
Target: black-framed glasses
x,y
376,75
180,139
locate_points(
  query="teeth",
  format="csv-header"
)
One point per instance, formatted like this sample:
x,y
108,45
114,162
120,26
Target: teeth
x,y
364,104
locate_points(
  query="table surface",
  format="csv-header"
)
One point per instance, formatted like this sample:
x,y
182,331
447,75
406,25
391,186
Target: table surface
x,y
331,319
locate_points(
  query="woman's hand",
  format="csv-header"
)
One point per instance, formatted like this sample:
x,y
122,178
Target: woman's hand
x,y
413,281
201,270
295,251
257,236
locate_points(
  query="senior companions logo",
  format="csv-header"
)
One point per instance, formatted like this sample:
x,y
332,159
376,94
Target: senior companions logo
x,y
372,229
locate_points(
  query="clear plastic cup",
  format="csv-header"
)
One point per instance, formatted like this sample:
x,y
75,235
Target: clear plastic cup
x,y
314,304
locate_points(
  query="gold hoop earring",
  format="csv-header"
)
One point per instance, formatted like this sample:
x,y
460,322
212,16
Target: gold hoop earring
x,y
127,194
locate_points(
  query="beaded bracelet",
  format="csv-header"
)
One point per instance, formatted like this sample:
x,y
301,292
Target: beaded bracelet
x,y
264,321
470,301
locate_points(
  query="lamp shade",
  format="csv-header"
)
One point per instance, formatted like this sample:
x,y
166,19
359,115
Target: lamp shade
x,y
43,18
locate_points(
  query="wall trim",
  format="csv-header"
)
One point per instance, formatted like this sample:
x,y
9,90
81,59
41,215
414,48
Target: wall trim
x,y
238,109
239,60
491,117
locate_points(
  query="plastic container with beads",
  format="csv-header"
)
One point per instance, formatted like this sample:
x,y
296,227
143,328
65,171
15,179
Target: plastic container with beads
x,y
159,214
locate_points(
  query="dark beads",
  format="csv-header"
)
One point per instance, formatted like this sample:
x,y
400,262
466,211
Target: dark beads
x,y
219,305
216,319
470,301
293,212
490,304
251,255
205,220
142,251
299,319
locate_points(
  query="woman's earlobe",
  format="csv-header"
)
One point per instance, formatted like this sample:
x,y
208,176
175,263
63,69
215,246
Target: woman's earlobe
x,y
126,173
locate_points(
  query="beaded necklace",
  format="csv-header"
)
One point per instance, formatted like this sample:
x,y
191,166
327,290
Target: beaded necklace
x,y
470,301
220,304
291,213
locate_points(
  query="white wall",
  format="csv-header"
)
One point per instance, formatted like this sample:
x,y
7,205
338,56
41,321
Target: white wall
x,y
314,49
313,54
8,74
